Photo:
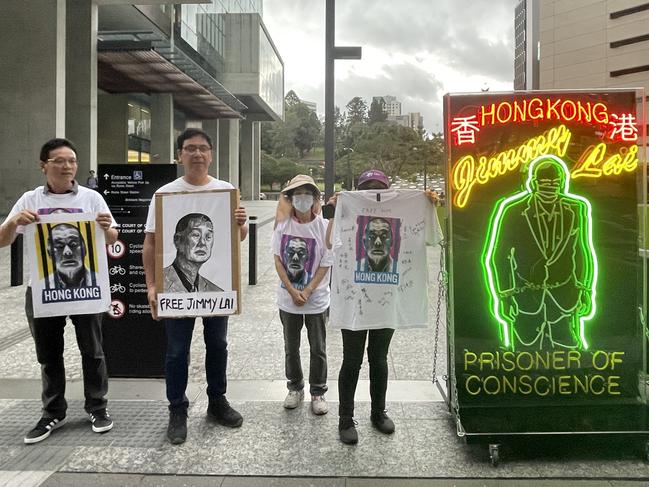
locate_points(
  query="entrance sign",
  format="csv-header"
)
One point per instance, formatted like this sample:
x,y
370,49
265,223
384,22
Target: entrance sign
x,y
546,288
134,342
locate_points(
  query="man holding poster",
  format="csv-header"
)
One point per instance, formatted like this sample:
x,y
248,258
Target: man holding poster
x,y
195,154
62,193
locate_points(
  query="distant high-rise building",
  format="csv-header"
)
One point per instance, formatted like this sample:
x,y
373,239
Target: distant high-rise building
x,y
413,120
311,105
526,45
594,44
392,105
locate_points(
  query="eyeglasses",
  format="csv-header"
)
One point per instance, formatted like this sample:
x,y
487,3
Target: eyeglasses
x,y
59,161
203,149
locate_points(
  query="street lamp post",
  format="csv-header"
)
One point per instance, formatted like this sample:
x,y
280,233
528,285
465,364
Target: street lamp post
x,y
332,52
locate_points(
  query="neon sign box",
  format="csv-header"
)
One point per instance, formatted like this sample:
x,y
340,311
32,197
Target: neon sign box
x,y
545,279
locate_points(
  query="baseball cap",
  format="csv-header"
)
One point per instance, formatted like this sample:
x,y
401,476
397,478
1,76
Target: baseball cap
x,y
374,175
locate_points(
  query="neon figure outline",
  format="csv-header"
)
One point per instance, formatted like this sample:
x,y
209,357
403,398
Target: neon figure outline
x,y
581,279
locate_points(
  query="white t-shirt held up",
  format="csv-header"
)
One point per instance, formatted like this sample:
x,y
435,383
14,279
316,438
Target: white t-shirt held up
x,y
380,273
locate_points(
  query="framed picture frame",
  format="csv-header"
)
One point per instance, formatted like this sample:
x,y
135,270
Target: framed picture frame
x,y
69,269
198,257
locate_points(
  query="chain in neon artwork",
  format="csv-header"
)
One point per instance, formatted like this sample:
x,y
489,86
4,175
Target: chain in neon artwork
x,y
539,261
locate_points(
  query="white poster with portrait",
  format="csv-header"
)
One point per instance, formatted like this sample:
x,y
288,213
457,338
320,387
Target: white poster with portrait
x,y
69,269
197,254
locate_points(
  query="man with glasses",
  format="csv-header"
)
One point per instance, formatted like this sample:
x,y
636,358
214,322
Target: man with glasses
x,y
61,192
195,154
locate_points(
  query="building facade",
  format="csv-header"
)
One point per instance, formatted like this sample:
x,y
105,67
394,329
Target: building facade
x,y
122,79
413,120
594,44
526,45
392,105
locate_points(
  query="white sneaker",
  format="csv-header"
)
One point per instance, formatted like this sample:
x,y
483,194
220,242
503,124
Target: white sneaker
x,y
319,405
293,398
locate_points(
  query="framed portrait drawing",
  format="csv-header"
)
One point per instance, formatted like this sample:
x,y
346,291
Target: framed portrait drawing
x,y
69,270
198,261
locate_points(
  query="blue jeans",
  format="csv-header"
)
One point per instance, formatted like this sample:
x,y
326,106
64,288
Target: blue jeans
x,y
179,339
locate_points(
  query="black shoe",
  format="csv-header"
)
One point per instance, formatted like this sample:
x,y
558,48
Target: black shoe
x,y
219,409
101,421
347,430
382,422
43,429
177,429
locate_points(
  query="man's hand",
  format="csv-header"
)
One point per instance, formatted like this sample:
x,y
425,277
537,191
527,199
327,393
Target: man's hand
x,y
585,302
240,216
509,307
104,220
25,217
153,302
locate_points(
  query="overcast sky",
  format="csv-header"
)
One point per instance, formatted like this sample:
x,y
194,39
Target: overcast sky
x,y
416,50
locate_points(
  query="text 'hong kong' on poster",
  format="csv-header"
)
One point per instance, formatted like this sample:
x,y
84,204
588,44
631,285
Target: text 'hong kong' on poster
x,y
197,267
68,265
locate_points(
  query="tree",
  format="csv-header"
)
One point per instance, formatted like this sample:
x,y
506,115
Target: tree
x,y
377,111
297,134
279,170
306,129
356,110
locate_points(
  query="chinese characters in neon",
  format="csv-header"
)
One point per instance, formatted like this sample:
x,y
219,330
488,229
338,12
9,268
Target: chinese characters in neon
x,y
619,126
464,129
623,127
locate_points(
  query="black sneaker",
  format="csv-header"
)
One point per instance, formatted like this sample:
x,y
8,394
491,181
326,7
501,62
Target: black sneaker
x,y
347,430
101,421
382,422
220,410
43,429
177,429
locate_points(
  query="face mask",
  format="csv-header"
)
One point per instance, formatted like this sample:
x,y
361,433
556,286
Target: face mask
x,y
302,202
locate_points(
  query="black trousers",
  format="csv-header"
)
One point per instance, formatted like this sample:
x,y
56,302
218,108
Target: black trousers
x,y
378,343
48,338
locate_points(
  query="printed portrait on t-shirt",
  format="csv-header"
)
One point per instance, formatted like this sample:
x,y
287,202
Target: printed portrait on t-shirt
x,y
298,256
378,241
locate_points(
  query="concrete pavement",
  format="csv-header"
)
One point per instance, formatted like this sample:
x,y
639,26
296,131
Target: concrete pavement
x,y
274,446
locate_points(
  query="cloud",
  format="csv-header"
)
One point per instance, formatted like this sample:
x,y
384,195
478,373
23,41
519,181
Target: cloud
x,y
415,50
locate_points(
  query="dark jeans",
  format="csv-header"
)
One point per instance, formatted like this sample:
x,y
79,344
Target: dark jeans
x,y
48,337
317,334
179,340
377,356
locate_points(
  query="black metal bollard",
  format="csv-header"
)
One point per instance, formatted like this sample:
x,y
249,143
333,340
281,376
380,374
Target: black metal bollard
x,y
252,250
17,261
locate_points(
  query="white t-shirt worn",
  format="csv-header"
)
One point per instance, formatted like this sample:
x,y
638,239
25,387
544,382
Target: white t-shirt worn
x,y
380,273
301,248
43,202
178,186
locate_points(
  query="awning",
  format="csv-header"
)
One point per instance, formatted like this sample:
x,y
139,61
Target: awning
x,y
147,62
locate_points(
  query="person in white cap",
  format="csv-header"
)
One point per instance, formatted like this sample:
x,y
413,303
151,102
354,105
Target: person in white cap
x,y
303,261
